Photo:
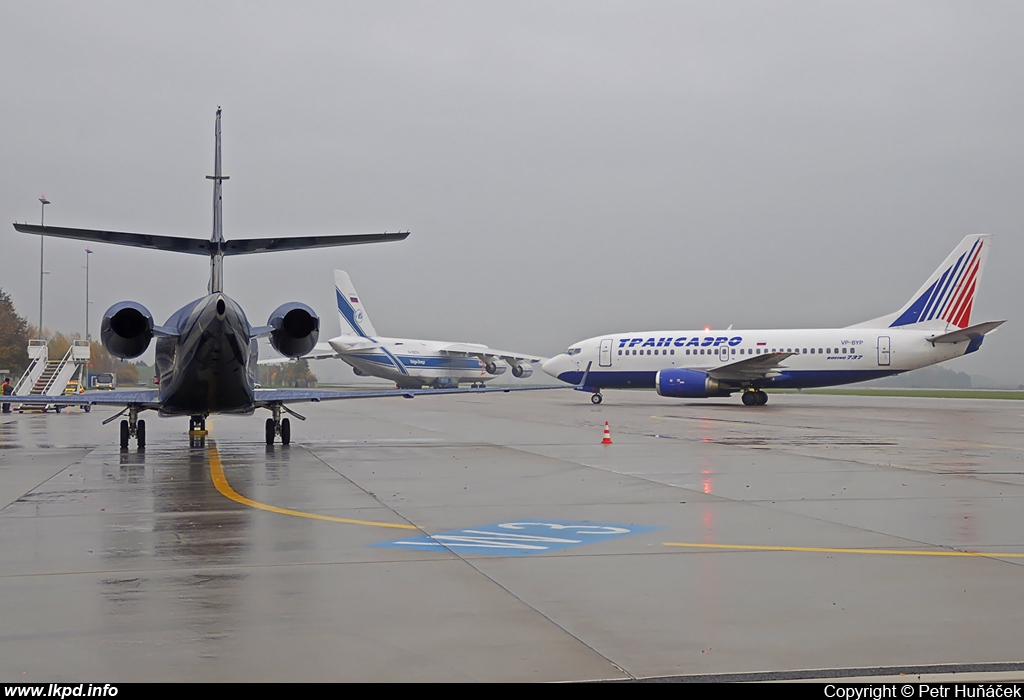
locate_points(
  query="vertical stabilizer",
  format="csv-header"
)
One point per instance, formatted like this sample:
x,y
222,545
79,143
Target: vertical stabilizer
x,y
946,299
217,238
350,307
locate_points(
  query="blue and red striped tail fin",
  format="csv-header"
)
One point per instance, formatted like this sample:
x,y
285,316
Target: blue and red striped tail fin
x,y
946,299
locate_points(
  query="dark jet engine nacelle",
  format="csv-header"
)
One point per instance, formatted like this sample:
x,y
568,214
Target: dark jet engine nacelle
x,y
296,329
522,371
126,329
689,384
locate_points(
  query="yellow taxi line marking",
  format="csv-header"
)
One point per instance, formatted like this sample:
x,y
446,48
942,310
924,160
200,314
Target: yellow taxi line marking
x,y
834,550
221,482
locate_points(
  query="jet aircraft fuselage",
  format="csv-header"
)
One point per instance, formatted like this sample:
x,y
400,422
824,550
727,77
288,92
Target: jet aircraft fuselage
x,y
210,365
932,327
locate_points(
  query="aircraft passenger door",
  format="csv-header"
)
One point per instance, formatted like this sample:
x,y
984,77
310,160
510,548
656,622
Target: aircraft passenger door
x,y
883,351
606,353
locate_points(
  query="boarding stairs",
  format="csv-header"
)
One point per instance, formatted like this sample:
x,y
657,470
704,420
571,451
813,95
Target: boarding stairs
x,y
46,377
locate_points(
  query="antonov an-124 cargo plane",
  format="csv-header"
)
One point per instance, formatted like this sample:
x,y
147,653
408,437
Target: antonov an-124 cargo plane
x,y
934,326
410,363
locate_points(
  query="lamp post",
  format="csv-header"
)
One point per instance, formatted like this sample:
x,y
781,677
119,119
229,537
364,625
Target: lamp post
x,y
85,382
88,252
43,201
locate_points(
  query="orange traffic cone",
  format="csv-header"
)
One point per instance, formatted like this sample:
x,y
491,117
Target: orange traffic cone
x,y
607,435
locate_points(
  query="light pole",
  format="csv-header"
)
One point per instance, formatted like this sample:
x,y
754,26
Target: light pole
x,y
43,201
85,379
87,254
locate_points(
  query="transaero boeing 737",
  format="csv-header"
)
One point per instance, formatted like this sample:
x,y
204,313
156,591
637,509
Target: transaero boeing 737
x,y
934,326
206,353
410,363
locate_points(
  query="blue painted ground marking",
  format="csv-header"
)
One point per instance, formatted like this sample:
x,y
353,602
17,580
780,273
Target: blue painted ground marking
x,y
519,538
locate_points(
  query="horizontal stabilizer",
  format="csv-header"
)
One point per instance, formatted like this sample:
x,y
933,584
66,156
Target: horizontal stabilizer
x,y
196,246
202,246
969,333
351,343
244,246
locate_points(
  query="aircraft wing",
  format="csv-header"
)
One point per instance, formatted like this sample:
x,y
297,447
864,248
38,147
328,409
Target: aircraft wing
x,y
150,398
751,368
474,350
144,398
267,397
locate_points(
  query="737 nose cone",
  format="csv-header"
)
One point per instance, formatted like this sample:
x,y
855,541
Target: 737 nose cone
x,y
553,366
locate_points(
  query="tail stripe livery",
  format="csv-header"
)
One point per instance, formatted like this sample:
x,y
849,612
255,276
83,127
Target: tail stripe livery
x,y
348,313
352,313
951,297
951,289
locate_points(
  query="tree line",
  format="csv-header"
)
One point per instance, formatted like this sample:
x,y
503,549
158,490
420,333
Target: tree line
x,y
16,331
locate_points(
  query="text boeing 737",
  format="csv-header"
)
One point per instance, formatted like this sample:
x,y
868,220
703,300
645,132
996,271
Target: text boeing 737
x,y
411,363
934,326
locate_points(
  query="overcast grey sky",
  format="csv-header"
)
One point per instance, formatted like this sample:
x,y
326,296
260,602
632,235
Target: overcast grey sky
x,y
566,168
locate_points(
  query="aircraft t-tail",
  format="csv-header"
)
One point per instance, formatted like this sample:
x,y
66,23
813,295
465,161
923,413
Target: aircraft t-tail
x,y
932,327
410,363
206,352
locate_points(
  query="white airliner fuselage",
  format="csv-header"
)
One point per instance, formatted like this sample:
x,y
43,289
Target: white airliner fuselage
x,y
932,327
408,362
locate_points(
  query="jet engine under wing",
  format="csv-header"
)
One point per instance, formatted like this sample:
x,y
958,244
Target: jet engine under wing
x,y
758,367
474,350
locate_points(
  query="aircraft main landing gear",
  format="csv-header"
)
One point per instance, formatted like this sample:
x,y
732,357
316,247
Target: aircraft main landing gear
x,y
754,397
596,398
133,428
278,426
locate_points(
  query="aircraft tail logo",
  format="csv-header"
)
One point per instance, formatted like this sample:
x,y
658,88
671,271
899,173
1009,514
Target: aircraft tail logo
x,y
350,310
948,295
946,299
